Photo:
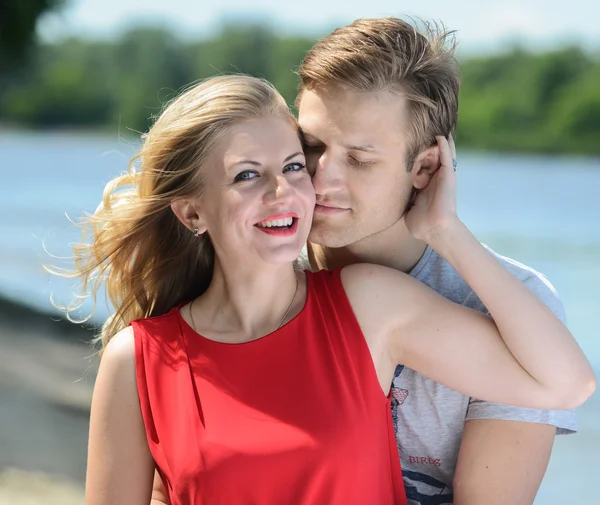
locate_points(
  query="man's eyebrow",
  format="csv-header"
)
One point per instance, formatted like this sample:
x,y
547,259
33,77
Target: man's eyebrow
x,y
360,147
367,148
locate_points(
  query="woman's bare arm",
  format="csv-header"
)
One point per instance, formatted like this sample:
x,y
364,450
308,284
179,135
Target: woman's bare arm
x,y
120,466
533,337
524,357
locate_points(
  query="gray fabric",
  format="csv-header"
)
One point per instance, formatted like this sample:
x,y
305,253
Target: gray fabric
x,y
429,418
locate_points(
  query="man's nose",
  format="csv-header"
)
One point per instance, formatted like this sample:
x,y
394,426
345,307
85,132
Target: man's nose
x,y
328,174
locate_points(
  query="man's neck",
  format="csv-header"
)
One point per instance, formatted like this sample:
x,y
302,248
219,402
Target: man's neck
x,y
395,248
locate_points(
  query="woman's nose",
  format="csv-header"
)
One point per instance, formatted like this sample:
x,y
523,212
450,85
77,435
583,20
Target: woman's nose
x,y
278,190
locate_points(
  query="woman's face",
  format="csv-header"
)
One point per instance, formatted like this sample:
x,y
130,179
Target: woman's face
x,y
258,199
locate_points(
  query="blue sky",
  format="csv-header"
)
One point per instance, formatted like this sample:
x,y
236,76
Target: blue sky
x,y
481,25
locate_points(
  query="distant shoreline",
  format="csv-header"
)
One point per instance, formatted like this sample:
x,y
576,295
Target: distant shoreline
x,y
18,314
126,135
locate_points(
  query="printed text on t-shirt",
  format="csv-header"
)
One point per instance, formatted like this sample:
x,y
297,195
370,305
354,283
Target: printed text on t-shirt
x,y
416,460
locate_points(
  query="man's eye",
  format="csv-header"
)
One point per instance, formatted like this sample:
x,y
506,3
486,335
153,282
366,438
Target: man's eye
x,y
246,175
357,163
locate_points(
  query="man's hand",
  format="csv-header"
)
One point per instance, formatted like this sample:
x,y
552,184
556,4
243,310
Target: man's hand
x,y
501,462
434,207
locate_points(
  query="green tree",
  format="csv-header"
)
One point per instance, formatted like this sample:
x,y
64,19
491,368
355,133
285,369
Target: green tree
x,y
18,20
73,90
149,67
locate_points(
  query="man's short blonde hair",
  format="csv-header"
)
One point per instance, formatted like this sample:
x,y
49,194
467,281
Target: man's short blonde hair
x,y
389,54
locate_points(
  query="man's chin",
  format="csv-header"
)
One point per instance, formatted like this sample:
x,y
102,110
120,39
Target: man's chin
x,y
327,238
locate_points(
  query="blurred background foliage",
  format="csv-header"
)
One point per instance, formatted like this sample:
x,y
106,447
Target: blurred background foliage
x,y
515,101
18,22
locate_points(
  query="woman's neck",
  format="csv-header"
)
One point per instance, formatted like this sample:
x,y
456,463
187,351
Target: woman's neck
x,y
243,304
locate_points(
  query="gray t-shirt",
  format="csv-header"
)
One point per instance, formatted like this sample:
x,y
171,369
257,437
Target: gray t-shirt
x,y
429,418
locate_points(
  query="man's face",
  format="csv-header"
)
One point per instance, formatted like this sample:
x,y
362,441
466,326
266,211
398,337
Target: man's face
x,y
356,150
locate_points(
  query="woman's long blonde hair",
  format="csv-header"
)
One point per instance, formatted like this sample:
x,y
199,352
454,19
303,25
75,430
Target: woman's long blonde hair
x,y
145,257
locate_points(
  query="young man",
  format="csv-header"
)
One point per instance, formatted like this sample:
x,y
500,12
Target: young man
x,y
373,97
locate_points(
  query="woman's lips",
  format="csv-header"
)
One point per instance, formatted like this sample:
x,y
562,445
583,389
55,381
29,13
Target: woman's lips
x,y
280,232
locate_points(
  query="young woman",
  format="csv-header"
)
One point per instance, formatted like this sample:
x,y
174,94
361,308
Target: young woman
x,y
242,380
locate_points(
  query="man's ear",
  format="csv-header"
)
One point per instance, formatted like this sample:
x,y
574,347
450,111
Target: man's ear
x,y
426,164
186,212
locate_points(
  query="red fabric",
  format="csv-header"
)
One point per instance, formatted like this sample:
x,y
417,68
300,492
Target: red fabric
x,y
295,417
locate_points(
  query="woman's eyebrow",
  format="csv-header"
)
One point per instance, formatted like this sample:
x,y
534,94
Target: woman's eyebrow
x,y
291,156
258,163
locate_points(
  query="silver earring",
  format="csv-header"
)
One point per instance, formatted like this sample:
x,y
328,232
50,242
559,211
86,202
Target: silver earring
x,y
196,233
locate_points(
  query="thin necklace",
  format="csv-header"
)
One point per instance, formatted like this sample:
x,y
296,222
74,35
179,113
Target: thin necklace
x,y
278,326
289,307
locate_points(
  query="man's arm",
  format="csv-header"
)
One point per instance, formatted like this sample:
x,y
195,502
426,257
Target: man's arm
x,y
501,462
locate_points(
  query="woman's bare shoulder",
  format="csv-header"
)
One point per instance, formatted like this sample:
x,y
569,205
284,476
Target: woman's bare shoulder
x,y
120,350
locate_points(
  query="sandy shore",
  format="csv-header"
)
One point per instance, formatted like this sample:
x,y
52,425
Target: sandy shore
x,y
29,488
47,371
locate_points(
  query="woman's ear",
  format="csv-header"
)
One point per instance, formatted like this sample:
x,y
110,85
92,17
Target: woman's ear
x,y
186,212
426,164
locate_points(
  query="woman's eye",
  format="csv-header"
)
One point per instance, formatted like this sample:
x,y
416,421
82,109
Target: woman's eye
x,y
294,167
246,175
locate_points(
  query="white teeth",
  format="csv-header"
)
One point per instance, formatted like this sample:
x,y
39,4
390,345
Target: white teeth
x,y
277,222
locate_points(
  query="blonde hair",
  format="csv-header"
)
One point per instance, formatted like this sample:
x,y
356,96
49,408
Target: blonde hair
x,y
147,259
389,54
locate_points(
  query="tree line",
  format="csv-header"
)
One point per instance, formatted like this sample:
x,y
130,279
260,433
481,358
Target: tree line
x,y
518,101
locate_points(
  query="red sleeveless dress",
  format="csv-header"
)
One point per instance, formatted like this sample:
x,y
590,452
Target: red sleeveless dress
x,y
295,417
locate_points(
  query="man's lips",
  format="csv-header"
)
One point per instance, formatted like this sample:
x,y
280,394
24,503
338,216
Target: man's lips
x,y
328,208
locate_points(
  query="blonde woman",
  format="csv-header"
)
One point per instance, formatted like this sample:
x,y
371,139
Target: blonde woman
x,y
242,380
